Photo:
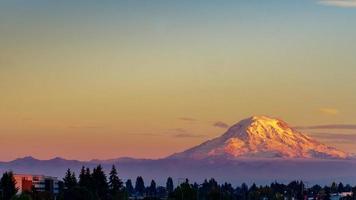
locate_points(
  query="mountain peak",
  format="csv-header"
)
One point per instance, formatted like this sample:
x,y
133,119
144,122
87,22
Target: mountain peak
x,y
262,118
27,158
262,137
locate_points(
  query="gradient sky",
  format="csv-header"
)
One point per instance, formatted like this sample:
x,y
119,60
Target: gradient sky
x,y
147,78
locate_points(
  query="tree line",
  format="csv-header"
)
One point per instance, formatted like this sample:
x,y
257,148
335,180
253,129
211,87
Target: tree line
x,y
96,185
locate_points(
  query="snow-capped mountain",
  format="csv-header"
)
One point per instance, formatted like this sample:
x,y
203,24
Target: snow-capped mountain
x,y
262,137
276,150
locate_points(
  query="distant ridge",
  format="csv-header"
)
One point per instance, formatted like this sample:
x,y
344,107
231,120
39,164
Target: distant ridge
x,y
258,149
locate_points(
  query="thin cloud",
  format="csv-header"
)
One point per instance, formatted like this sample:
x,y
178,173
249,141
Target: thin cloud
x,y
339,3
85,127
147,134
176,133
188,135
330,126
187,119
181,130
220,124
329,111
183,133
335,137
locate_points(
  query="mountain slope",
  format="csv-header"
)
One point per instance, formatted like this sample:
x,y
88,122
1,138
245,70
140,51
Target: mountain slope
x,y
222,158
262,137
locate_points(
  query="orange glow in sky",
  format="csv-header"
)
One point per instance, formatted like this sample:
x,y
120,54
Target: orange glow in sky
x,y
135,79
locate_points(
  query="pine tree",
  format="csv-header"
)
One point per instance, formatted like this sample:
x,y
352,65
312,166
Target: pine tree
x,y
152,189
74,179
334,188
340,188
169,185
89,179
69,180
82,177
185,191
140,186
115,184
100,183
8,186
85,178
244,191
129,187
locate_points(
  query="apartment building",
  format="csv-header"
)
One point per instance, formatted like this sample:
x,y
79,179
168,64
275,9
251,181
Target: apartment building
x,y
41,183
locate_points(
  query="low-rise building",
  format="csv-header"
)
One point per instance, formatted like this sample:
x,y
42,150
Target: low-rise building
x,y
41,183
337,196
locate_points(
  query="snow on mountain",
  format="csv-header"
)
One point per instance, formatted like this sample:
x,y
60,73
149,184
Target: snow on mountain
x,y
262,137
276,150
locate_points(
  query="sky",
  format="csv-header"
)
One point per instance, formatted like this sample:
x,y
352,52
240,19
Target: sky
x,y
105,79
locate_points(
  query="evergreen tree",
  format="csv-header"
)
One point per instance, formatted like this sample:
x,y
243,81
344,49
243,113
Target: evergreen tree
x,y
214,193
334,188
8,186
244,191
129,187
152,189
74,179
69,180
227,191
254,192
85,178
140,186
340,188
169,185
89,179
184,191
115,184
100,183
82,177
315,189
302,190
348,188
253,187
